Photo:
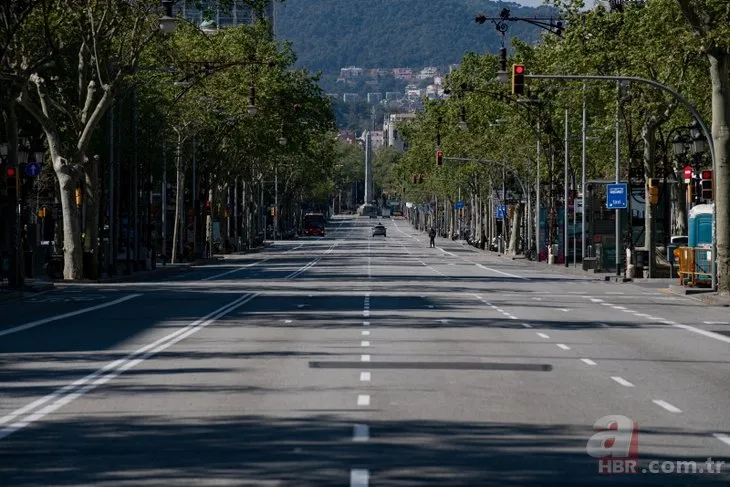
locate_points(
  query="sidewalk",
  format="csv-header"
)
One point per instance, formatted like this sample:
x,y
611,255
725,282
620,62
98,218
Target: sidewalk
x,y
38,285
668,285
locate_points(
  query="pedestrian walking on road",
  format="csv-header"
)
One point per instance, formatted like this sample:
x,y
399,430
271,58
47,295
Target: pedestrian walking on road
x,y
432,237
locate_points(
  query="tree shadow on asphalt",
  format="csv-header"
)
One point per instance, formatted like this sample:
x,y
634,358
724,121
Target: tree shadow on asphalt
x,y
315,451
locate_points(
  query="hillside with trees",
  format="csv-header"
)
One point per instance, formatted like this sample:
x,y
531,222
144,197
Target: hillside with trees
x,y
330,34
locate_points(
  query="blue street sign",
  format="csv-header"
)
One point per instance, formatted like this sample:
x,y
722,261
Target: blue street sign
x,y
459,205
616,196
33,169
501,211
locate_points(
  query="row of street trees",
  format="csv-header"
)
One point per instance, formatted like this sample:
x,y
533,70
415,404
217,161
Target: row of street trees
x,y
684,44
230,99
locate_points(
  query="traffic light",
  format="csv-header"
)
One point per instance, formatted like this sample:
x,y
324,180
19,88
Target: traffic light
x,y
11,181
518,79
78,196
706,183
653,191
439,157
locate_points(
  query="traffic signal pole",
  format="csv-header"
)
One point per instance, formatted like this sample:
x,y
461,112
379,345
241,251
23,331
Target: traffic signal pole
x,y
695,113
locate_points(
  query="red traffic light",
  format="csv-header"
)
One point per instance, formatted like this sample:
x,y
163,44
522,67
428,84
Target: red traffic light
x,y
519,69
10,172
706,174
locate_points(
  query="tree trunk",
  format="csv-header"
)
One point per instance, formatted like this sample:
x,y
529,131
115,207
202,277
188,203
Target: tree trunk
x,y
72,249
719,66
179,199
678,202
92,200
516,222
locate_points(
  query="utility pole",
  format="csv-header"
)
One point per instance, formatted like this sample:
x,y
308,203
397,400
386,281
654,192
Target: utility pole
x,y
565,194
537,196
583,181
618,176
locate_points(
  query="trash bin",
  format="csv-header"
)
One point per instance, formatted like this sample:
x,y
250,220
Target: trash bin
x,y
89,268
642,259
28,266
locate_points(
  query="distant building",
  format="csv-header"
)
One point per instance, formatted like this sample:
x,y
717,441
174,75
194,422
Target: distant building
x,y
374,98
428,73
350,97
350,72
376,139
347,136
393,95
391,134
403,73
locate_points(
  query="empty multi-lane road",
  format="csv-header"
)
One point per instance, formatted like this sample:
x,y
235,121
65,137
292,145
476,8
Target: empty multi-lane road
x,y
358,361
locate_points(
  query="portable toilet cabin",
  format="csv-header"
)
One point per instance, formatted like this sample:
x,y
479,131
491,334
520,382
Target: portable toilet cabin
x,y
700,236
700,226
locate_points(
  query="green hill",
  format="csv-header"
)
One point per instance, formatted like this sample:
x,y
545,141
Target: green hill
x,y
330,34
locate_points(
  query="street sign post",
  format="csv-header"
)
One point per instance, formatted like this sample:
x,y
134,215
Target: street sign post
x,y
615,196
33,169
501,212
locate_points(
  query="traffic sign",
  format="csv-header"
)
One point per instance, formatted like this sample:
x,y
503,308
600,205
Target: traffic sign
x,y
33,169
615,196
459,205
687,174
501,212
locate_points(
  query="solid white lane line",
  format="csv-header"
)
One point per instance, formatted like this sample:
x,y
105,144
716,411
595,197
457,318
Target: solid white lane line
x,y
365,376
365,332
667,406
78,388
543,335
706,333
210,278
622,381
563,346
360,432
716,323
363,400
587,361
364,343
364,358
359,478
43,321
722,437
501,272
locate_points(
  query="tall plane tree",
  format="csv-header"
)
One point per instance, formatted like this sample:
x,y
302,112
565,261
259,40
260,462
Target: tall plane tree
x,y
710,19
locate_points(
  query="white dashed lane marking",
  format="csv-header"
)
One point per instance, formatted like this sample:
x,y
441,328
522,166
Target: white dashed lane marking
x,y
587,361
622,381
667,406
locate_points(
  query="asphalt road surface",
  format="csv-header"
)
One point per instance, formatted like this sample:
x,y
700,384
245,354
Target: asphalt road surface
x,y
358,361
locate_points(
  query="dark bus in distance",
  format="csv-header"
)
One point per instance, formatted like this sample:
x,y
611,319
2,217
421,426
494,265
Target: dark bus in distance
x,y
314,224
